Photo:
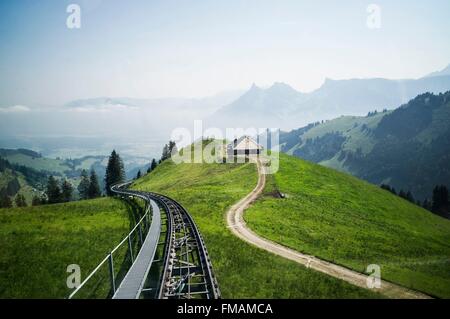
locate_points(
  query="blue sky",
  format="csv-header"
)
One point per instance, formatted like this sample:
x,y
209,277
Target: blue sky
x,y
196,48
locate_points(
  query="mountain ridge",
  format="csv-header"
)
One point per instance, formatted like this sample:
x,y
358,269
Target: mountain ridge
x,y
405,147
284,107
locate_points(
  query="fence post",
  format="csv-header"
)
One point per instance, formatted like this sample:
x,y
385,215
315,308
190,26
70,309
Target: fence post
x,y
140,233
111,273
130,247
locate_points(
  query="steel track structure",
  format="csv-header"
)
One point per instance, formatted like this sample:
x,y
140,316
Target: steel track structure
x,y
187,269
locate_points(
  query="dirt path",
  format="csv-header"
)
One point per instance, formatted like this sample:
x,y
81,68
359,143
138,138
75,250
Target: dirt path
x,y
238,226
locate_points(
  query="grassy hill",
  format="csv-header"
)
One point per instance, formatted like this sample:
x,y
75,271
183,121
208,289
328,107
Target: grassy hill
x,y
34,160
407,148
38,243
243,271
14,182
353,223
69,169
325,213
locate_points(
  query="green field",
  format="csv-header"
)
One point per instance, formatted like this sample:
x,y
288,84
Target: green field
x,y
350,127
25,189
243,271
38,243
38,163
353,223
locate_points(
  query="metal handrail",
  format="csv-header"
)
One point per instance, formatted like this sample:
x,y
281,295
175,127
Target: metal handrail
x,y
109,256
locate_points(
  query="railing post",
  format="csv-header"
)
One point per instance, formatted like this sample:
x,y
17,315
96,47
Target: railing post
x,y
111,273
140,233
130,247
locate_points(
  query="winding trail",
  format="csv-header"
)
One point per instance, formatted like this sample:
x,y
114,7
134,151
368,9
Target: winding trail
x,y
235,221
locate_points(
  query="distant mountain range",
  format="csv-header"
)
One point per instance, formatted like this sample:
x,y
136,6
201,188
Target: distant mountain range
x,y
198,106
407,148
444,72
281,106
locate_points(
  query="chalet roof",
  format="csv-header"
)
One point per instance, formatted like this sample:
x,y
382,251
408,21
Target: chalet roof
x,y
245,142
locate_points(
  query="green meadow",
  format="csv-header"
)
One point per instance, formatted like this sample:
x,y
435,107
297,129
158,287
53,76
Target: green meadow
x,y
347,221
243,271
38,243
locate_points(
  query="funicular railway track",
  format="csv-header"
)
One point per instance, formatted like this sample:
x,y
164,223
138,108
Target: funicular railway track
x,y
187,270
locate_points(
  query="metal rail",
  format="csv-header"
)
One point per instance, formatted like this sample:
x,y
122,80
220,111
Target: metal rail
x,y
188,271
138,230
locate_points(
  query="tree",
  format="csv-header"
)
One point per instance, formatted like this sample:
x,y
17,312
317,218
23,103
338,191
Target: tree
x,y
36,201
426,204
53,191
165,153
83,187
94,187
114,172
172,148
440,203
5,201
388,188
410,197
139,174
20,201
66,191
153,164
167,150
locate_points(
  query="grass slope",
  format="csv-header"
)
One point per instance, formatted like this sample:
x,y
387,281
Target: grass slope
x,y
350,222
38,163
25,189
350,127
207,191
38,243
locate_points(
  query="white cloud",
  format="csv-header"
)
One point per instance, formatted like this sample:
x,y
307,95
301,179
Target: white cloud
x,y
103,108
15,109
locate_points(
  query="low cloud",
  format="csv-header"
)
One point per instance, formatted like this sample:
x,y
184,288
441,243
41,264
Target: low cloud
x,y
15,109
104,108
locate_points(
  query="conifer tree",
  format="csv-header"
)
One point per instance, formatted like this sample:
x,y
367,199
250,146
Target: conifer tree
x,y
114,171
440,203
94,187
410,197
83,187
172,148
53,191
36,201
154,164
20,201
66,191
5,201
165,153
